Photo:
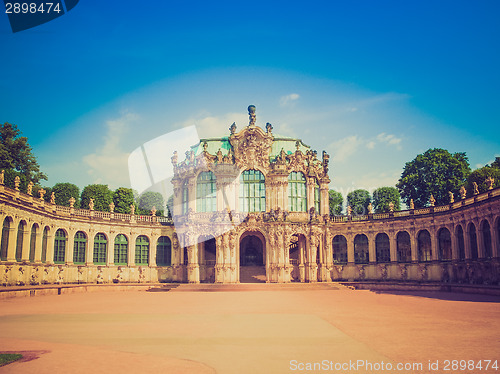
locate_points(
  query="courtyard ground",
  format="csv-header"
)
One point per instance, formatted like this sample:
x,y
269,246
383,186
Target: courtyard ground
x,y
249,329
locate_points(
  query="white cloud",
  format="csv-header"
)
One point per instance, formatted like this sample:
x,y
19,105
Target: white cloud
x,y
108,164
345,147
209,125
289,99
370,144
388,138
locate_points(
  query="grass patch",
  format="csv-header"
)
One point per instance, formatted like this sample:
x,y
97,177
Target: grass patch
x,y
7,358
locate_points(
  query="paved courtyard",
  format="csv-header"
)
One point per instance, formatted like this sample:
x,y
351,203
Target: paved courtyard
x,y
259,330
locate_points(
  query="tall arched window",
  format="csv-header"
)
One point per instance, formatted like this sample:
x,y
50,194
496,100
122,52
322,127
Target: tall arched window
x,y
424,246
361,249
444,242
339,246
142,250
100,249
382,248
485,228
185,198
5,239
60,246
20,240
297,198
121,250
79,247
461,243
45,240
403,246
317,196
206,192
33,242
473,242
164,251
252,191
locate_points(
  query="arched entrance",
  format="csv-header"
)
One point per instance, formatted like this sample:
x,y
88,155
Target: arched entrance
x,y
252,258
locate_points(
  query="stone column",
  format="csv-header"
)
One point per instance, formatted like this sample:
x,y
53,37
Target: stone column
x,y
434,244
70,244
468,253
192,194
193,267
414,246
89,255
11,246
131,250
310,192
153,243
38,245
25,255
50,246
110,253
454,244
371,249
393,246
302,271
480,241
219,260
350,248
324,201
495,246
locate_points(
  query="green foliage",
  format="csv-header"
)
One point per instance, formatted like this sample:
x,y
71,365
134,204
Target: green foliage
x,y
148,200
434,172
64,192
170,206
479,176
383,196
9,179
7,358
123,198
358,200
100,193
335,201
496,163
15,154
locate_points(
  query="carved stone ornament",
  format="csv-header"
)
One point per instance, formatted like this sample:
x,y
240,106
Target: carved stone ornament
x,y
132,209
463,192
412,204
370,208
153,211
476,189
52,198
232,129
41,192
112,207
432,200
452,197
30,188
391,207
72,202
489,182
17,182
251,115
2,177
349,210
91,204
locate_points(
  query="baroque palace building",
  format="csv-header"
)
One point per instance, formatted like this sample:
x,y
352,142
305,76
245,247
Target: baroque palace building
x,y
246,204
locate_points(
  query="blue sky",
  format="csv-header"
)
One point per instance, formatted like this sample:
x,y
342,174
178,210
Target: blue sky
x,y
372,82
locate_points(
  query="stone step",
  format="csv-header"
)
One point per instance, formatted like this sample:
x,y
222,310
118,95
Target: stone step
x,y
243,287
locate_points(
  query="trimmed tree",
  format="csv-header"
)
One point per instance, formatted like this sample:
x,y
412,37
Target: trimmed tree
x,y
358,200
479,176
335,201
383,196
64,192
100,193
123,198
435,172
148,200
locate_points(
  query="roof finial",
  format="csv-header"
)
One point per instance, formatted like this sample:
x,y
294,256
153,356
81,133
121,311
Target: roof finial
x,y
251,113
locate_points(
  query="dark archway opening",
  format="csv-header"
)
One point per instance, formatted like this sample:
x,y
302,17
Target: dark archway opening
x,y
252,263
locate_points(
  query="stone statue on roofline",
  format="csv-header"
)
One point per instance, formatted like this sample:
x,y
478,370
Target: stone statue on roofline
x,y
2,177
412,204
463,192
269,128
489,182
452,198
370,208
391,207
71,202
175,158
153,211
112,207
232,128
432,200
91,204
29,191
132,209
476,189
349,210
52,198
41,192
17,182
252,116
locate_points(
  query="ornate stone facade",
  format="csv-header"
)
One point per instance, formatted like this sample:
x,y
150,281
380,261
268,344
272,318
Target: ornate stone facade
x,y
251,201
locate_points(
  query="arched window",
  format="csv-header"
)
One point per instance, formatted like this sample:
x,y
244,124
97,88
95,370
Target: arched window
x,y
382,248
164,251
473,242
20,240
317,197
60,246
461,243
444,242
45,240
142,250
185,198
121,250
252,191
424,246
100,249
297,198
79,247
206,193
485,228
5,239
33,242
403,246
339,246
361,249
